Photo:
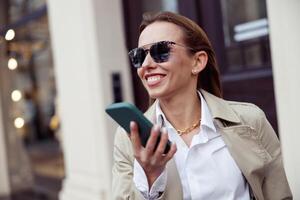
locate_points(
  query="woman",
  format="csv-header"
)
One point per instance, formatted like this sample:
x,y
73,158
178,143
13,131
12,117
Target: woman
x,y
220,149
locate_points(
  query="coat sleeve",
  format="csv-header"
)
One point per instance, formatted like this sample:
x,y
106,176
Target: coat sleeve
x,y
122,172
123,187
275,184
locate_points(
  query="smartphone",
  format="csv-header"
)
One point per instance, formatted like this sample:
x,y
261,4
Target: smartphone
x,y
123,113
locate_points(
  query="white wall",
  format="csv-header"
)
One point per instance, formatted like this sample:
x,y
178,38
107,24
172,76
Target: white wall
x,y
88,45
284,23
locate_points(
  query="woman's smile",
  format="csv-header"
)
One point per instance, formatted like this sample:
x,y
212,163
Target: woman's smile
x,y
154,80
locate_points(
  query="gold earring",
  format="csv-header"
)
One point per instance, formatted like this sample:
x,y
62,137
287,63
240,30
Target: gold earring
x,y
194,72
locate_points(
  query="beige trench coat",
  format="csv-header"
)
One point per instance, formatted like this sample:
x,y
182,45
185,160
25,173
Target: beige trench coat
x,y
250,140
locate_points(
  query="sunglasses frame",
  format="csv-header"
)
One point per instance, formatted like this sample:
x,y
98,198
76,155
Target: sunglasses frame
x,y
158,58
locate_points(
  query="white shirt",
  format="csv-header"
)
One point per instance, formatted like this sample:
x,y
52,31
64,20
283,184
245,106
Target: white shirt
x,y
206,168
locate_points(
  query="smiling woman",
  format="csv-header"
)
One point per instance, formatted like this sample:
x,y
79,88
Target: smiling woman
x,y
217,145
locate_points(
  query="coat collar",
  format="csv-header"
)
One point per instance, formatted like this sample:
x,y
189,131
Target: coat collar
x,y
219,108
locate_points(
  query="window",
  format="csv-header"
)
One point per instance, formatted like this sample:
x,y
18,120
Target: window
x,y
246,39
160,5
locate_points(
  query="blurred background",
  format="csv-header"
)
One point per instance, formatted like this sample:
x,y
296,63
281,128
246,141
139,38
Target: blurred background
x,y
63,62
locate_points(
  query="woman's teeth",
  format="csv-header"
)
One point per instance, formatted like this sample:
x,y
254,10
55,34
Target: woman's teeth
x,y
152,80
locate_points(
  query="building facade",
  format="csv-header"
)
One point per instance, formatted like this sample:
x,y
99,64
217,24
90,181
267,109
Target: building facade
x,y
256,48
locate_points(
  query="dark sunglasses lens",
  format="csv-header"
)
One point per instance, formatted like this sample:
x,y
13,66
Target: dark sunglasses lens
x,y
160,52
137,57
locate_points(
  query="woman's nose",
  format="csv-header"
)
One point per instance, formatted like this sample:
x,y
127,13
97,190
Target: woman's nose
x,y
148,62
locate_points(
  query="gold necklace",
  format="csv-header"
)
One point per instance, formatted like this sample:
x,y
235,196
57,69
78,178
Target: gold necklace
x,y
187,130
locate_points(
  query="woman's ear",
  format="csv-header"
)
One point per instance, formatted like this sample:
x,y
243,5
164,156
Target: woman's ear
x,y
201,59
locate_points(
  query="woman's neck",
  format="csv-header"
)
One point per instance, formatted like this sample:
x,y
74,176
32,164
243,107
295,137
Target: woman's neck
x,y
182,111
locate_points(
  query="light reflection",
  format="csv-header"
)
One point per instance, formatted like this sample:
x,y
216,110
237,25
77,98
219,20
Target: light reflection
x,y
12,64
19,122
16,95
10,34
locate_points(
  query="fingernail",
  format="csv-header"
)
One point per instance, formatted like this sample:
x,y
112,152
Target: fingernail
x,y
156,127
164,130
131,124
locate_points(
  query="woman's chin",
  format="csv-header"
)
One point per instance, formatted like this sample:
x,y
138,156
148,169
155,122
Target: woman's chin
x,y
154,94
157,93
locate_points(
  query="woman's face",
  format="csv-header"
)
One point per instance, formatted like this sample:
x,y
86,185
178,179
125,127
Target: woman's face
x,y
173,77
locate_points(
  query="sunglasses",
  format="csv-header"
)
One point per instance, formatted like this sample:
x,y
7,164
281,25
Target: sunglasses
x,y
159,51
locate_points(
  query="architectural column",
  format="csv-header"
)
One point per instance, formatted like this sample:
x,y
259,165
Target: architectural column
x,y
285,41
89,55
4,173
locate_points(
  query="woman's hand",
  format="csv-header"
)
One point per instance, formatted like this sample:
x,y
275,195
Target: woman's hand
x,y
152,160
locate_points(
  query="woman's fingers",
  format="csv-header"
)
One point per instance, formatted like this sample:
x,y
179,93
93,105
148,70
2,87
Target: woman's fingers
x,y
151,143
135,138
160,156
149,154
171,153
162,144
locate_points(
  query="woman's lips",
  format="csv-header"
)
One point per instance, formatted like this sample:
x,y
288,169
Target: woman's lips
x,y
154,80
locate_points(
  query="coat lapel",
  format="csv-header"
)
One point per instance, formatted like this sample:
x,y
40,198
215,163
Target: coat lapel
x,y
242,141
244,148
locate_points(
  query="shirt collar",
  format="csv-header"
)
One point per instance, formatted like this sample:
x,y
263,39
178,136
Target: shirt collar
x,y
206,118
161,119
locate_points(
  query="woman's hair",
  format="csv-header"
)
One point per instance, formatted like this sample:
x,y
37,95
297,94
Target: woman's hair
x,y
194,37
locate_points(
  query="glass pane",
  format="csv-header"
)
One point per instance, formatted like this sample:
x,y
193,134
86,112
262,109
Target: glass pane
x,y
28,100
253,55
234,59
242,17
160,5
246,32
